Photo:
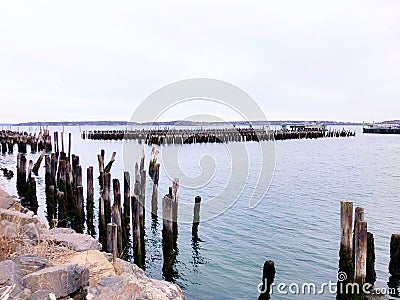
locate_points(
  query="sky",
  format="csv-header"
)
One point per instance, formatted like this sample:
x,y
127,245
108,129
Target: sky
x,y
299,60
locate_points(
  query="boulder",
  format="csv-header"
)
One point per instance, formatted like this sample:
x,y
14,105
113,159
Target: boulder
x,y
114,287
10,273
7,201
31,232
8,230
17,217
15,291
43,295
94,260
76,241
30,263
61,280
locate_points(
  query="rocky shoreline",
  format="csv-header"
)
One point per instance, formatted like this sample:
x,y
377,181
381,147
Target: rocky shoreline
x,y
39,263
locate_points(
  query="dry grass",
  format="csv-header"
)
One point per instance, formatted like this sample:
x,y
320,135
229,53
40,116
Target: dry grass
x,y
21,245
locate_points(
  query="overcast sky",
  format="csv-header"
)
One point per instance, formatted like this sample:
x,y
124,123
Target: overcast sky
x,y
95,60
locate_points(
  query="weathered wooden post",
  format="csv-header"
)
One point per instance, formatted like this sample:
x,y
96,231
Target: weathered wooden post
x,y
137,246
154,197
196,217
175,198
371,274
36,167
346,250
80,214
51,205
90,200
107,168
100,159
394,264
21,174
116,215
168,238
106,197
267,280
127,209
69,144
112,233
360,254
62,213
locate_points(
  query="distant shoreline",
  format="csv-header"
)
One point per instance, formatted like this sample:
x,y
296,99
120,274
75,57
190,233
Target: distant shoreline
x,y
177,123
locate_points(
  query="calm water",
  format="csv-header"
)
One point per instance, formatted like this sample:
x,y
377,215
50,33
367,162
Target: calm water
x,y
296,224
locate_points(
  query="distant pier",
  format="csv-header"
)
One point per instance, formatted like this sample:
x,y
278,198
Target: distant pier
x,y
192,136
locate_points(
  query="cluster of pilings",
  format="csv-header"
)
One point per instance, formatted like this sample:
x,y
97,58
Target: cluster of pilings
x,y
26,183
192,136
357,254
39,142
66,205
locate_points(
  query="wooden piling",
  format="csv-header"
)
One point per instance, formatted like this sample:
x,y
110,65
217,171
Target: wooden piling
x,y
168,238
36,167
62,212
69,144
117,212
360,254
175,198
371,274
112,233
106,197
107,168
127,209
51,205
346,242
267,280
90,200
196,217
137,246
154,197
394,265
80,213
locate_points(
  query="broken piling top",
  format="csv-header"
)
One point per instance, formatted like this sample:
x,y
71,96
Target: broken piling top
x,y
142,161
175,189
346,225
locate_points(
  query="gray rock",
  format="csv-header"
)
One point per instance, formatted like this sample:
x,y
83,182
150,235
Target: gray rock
x,y
122,266
7,201
17,217
10,273
61,280
76,241
31,232
43,295
8,230
30,263
15,291
114,287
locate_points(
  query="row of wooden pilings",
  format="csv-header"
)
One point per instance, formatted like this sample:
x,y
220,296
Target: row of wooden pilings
x,y
356,259
174,136
40,142
66,204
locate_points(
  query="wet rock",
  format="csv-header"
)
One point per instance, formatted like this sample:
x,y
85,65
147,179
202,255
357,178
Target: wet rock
x,y
61,280
76,241
10,273
30,263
